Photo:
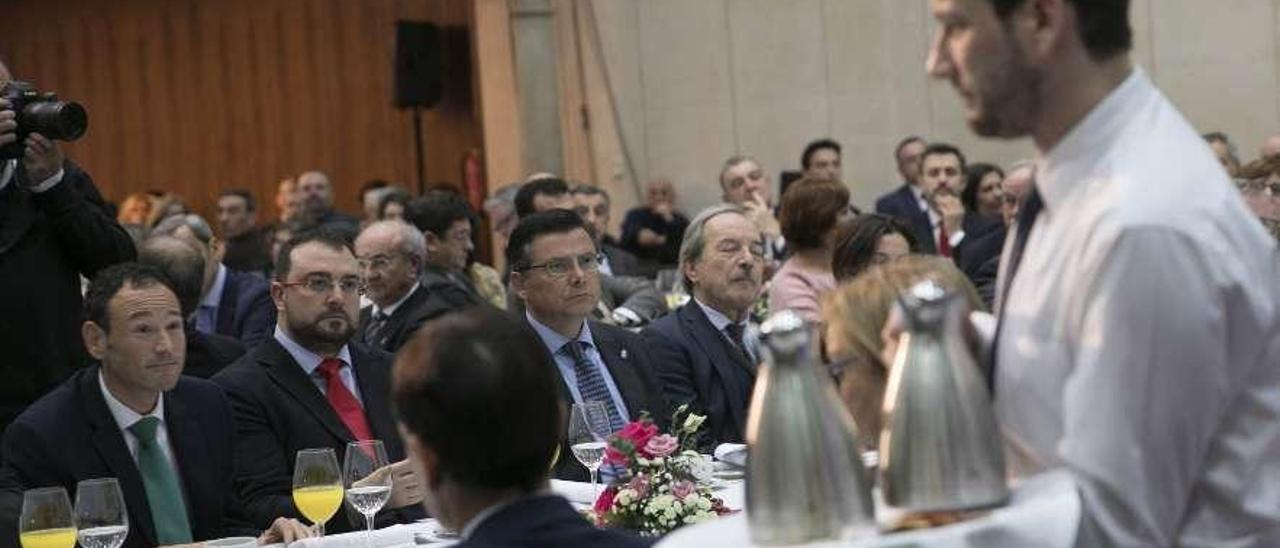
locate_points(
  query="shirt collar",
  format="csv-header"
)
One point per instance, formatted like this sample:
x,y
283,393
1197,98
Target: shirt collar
x,y
391,308
554,340
718,320
214,297
6,172
309,360
124,416
1093,139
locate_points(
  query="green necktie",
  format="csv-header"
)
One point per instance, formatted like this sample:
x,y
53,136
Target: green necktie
x,y
168,512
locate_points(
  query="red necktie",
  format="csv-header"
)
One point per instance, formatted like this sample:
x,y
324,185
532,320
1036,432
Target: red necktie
x,y
944,241
343,401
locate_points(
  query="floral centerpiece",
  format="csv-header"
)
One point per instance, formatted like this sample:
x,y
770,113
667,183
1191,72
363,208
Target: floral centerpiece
x,y
658,489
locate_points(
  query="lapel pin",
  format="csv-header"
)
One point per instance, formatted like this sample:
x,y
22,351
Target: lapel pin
x,y
623,353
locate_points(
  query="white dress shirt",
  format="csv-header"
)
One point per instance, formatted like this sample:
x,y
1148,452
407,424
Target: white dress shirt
x,y
207,313
564,363
126,417
1140,346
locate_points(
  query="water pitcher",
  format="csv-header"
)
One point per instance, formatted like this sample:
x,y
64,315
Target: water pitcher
x,y
940,448
805,478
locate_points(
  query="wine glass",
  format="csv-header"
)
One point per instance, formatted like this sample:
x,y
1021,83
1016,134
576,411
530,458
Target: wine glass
x,y
589,433
367,479
46,519
317,486
101,519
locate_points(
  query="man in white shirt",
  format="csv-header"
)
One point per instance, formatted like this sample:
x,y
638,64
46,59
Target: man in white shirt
x,y
1141,315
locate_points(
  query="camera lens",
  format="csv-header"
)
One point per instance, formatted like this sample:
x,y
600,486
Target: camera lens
x,y
56,119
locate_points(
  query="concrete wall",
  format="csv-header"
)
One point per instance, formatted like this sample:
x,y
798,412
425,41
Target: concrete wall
x,y
698,80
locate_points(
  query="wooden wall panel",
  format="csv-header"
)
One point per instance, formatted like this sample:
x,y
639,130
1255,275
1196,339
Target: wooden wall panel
x,y
194,96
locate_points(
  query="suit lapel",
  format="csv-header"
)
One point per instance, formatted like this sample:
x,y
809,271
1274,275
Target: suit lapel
x,y
109,442
723,356
618,361
396,323
190,449
225,323
286,373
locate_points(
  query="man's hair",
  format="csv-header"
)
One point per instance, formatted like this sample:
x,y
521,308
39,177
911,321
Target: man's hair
x,y
394,196
592,190
109,281
897,151
481,369
183,265
856,242
1104,24
555,221
809,211
530,190
733,162
411,241
974,174
942,149
372,184
695,237
199,227
807,156
324,235
436,211
249,203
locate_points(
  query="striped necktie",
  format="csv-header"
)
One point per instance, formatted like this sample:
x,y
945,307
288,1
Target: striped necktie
x,y
168,511
591,383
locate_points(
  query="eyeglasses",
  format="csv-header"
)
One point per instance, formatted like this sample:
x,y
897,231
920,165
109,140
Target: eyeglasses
x,y
560,267
320,285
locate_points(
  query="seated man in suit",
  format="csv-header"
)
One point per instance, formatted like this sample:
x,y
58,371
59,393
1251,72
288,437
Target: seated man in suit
x,y
592,203
444,219
490,487
235,304
702,351
942,179
391,254
207,353
908,202
134,417
309,385
555,270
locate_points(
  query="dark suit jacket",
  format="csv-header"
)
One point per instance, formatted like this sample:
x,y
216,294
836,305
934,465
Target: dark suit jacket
x,y
47,241
245,311
981,263
208,354
546,521
901,203
698,366
69,435
631,366
279,410
976,229
428,302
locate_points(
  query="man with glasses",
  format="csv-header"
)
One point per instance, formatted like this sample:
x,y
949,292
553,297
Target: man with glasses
x,y
555,269
310,386
391,255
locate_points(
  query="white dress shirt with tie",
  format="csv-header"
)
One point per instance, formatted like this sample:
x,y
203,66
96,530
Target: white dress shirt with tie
x,y
310,363
1140,344
126,417
555,341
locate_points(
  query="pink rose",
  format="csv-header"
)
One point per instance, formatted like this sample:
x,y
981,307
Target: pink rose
x,y
639,433
661,446
604,502
639,484
683,488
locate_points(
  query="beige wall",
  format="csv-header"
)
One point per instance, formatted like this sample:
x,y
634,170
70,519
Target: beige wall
x,y
698,80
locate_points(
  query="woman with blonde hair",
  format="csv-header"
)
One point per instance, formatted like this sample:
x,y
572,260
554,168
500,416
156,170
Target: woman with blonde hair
x,y
854,316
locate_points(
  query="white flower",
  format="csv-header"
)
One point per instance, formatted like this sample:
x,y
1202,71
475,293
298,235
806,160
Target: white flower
x,y
692,422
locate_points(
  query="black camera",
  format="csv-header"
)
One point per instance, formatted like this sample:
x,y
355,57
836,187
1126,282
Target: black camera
x,y
41,113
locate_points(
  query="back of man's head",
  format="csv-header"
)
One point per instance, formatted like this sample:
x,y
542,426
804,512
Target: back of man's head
x,y
540,187
478,370
1103,24
182,264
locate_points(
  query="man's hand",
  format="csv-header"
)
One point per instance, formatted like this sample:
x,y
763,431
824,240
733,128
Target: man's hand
x,y
43,159
762,216
286,530
649,238
951,210
8,123
406,488
664,209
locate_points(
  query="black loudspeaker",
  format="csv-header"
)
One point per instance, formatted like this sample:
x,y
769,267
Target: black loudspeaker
x,y
419,65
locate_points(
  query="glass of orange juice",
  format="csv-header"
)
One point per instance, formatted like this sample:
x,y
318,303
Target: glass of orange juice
x,y
46,520
317,486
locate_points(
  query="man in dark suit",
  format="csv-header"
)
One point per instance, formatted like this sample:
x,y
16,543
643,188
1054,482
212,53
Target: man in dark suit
x,y
233,303
308,386
490,488
555,270
445,221
981,260
54,228
704,352
592,204
246,246
317,204
167,438
391,255
942,179
908,202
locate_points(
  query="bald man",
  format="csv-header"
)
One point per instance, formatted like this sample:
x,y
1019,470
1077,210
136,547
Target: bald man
x,y
316,191
1271,147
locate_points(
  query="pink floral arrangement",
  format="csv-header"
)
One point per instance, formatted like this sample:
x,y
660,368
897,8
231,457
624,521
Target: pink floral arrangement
x,y
659,490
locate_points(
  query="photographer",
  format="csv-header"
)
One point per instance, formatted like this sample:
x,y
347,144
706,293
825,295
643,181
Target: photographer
x,y
54,227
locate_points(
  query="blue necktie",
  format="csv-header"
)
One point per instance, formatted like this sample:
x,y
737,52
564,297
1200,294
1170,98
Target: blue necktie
x,y
591,384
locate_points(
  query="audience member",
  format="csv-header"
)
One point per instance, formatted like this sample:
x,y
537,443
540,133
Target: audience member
x,y
821,160
1224,150
132,416
592,204
745,184
654,231
542,194
310,385
909,202
167,205
942,169
981,259
136,209
391,207
868,240
1270,147
705,352
245,244
54,228
1260,186
370,195
491,488
207,353
445,221
810,212
317,203
982,190
854,315
555,271
501,209
234,303
391,255
288,200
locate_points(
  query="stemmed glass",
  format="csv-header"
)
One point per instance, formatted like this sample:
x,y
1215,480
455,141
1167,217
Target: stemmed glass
x,y
46,519
101,519
368,480
317,486
589,433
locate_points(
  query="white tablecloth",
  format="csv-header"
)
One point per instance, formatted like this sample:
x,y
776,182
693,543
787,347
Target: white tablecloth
x,y
1044,512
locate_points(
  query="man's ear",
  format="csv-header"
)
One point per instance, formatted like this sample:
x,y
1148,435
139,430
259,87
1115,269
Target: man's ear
x,y
433,241
216,249
517,284
277,295
95,339
427,459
